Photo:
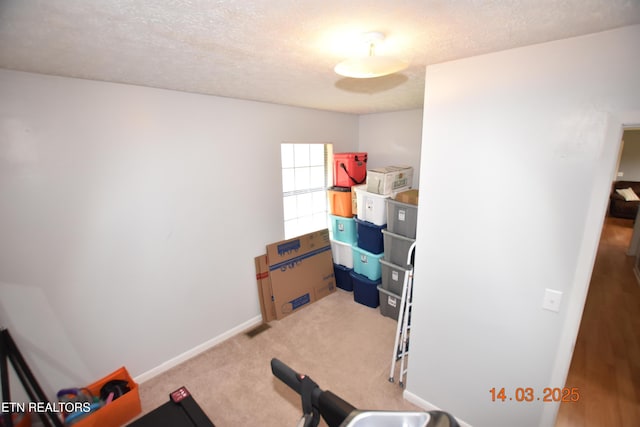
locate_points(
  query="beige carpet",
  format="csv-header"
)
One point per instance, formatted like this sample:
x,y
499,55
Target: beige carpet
x,y
343,346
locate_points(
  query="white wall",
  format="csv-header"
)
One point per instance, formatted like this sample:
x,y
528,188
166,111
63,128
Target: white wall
x,y
392,139
518,151
130,217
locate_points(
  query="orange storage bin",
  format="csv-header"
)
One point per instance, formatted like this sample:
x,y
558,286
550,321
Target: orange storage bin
x,y
119,411
24,422
19,420
340,201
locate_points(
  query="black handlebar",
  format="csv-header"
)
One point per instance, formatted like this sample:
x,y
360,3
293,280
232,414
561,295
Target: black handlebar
x,y
315,402
334,410
286,375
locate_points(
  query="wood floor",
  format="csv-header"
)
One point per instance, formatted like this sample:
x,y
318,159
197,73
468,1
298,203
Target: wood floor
x,y
606,360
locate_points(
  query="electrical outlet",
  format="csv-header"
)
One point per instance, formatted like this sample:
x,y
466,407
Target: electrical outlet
x,y
620,174
552,300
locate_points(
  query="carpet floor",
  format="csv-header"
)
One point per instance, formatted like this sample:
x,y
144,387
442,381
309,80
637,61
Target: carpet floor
x,y
343,346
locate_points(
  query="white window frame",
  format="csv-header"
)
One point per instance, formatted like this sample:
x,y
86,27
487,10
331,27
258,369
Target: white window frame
x,y
305,179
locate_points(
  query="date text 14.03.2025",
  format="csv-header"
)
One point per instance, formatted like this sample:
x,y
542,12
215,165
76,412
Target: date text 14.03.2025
x,y
528,394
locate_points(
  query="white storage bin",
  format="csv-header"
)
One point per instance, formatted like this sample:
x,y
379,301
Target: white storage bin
x,y
371,207
342,253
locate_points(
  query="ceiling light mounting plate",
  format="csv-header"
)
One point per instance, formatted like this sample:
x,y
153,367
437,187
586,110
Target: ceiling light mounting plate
x,y
373,37
365,67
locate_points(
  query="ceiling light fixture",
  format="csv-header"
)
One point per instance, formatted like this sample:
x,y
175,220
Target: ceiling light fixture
x,y
366,67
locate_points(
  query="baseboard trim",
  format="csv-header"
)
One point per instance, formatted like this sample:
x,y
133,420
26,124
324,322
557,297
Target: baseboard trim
x,y
418,401
197,350
427,406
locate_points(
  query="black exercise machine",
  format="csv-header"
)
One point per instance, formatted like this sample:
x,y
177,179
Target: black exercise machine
x,y
336,412
9,352
180,411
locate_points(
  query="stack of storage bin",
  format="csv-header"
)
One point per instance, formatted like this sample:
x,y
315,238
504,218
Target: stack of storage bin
x,y
402,216
371,219
343,237
371,222
349,169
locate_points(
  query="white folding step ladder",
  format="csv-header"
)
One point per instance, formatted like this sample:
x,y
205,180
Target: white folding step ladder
x,y
401,345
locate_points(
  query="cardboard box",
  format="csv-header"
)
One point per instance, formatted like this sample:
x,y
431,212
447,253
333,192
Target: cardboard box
x,y
390,179
301,271
118,412
267,308
409,196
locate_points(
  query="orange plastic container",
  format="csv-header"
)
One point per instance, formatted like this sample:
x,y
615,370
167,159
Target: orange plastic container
x,y
119,411
25,422
19,420
340,202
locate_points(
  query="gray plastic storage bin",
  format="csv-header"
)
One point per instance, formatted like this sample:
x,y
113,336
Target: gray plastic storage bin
x,y
396,248
393,276
389,303
402,218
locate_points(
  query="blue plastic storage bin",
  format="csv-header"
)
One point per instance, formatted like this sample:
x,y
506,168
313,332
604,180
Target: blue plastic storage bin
x,y
343,277
370,236
366,263
365,291
343,229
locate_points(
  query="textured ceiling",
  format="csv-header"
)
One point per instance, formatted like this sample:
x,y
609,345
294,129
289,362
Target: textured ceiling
x,y
281,51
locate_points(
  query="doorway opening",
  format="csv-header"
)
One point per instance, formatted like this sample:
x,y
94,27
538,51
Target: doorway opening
x,y
605,365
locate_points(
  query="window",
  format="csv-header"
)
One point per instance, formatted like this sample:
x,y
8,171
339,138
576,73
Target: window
x,y
306,174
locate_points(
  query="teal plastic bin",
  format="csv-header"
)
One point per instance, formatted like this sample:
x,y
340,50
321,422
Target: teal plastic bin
x,y
367,263
343,229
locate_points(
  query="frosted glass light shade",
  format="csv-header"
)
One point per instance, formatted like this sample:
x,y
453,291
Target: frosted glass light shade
x,y
370,66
